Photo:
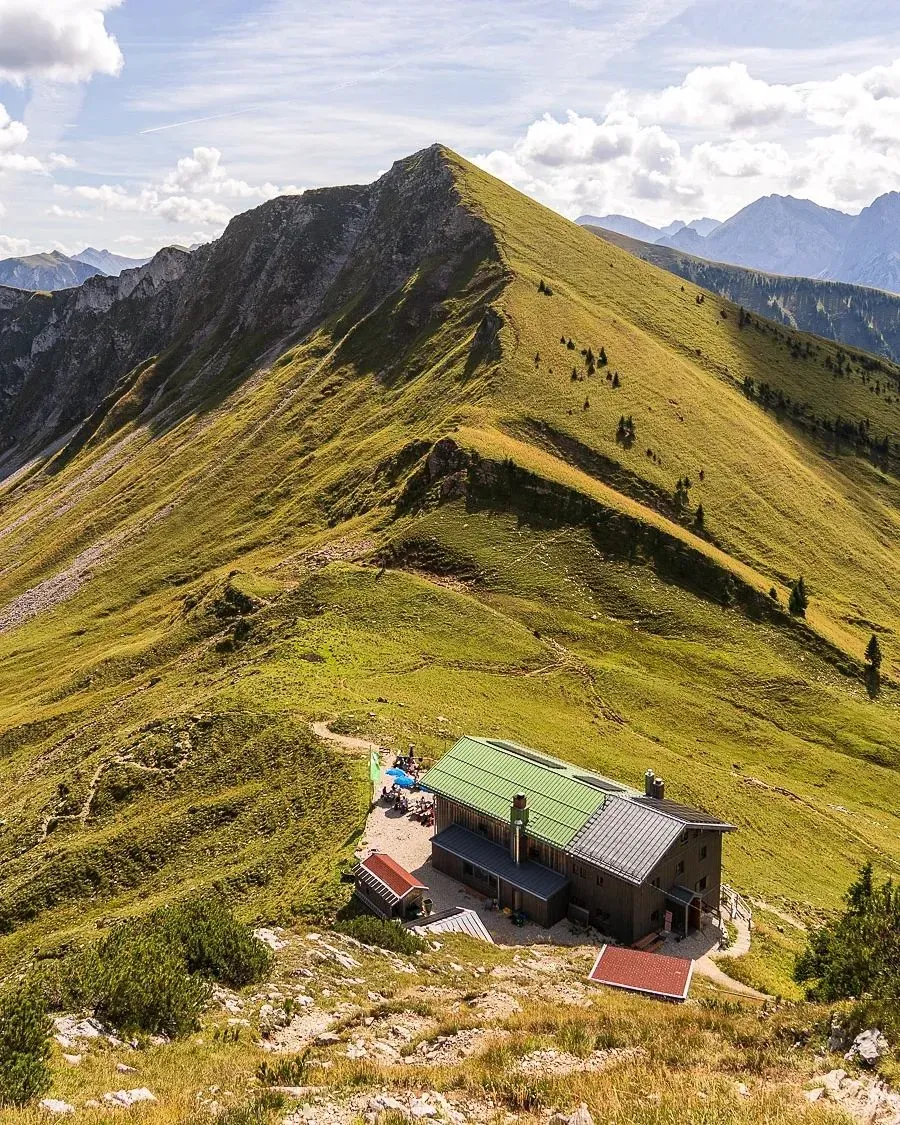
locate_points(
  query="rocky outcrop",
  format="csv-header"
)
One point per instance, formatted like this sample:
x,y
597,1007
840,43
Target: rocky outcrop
x,y
277,272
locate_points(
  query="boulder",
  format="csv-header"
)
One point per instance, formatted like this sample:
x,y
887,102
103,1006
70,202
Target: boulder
x,y
127,1098
56,1106
868,1046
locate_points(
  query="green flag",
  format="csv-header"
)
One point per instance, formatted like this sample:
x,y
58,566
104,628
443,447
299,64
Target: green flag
x,y
375,767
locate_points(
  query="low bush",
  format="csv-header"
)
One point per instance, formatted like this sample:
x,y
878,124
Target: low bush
x,y
143,983
151,974
215,944
386,935
24,1046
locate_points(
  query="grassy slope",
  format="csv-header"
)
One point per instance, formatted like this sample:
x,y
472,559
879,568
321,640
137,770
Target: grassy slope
x,y
298,458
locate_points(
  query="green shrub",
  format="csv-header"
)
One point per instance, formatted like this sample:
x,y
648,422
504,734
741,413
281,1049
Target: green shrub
x,y
214,943
24,1045
150,974
143,984
386,935
858,953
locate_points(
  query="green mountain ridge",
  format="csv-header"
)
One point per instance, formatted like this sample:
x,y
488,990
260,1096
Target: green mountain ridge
x,y
854,315
345,463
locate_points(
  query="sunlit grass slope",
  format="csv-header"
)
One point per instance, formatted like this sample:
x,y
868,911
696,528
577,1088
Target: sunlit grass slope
x,y
179,600
772,495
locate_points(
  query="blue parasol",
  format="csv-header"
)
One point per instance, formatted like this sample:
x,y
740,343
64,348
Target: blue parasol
x,y
405,781
396,772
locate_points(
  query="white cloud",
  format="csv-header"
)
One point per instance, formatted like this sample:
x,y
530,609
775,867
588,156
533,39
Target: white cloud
x,y
19,162
61,40
196,191
202,173
658,154
724,96
578,140
66,212
741,158
13,247
12,133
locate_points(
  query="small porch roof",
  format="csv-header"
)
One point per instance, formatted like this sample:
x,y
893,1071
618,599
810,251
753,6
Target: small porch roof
x,y
684,895
533,878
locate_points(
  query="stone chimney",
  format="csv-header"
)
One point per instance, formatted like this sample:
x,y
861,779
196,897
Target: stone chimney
x,y
648,783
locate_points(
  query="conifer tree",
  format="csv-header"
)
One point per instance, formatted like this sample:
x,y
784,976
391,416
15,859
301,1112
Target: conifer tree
x,y
873,653
799,599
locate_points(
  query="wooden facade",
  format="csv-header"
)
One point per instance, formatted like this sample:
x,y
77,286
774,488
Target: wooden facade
x,y
616,907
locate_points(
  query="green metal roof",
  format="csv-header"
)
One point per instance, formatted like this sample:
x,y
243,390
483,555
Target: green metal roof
x,y
485,774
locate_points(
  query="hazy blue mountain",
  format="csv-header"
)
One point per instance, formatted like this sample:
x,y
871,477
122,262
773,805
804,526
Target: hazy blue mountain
x,y
621,224
794,237
46,272
107,262
634,228
779,234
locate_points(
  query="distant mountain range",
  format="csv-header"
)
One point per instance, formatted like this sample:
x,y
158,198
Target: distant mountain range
x,y
54,270
783,235
854,315
634,228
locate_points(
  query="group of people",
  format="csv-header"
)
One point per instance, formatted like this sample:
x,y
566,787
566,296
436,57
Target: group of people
x,y
409,763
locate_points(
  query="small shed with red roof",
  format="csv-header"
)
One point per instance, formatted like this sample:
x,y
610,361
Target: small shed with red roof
x,y
655,974
387,888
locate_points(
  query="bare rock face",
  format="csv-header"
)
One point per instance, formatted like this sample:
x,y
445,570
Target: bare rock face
x,y
275,274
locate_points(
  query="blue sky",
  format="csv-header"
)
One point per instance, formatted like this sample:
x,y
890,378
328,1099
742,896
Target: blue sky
x,y
133,124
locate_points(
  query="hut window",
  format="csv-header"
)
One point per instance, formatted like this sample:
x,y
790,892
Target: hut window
x,y
679,867
599,879
701,884
703,852
468,869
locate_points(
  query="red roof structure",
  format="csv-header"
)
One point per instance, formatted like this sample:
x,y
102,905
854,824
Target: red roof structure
x,y
389,872
653,973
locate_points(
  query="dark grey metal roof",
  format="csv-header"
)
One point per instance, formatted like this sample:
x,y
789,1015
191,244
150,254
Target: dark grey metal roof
x,y
534,878
693,818
684,895
626,838
376,886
